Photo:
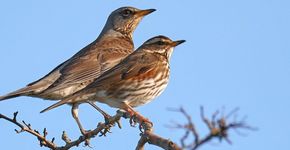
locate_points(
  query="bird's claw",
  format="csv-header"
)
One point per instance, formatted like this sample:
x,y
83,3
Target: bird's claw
x,y
105,131
142,125
133,120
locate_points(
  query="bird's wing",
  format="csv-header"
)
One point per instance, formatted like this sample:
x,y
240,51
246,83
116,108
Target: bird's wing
x,y
87,67
134,65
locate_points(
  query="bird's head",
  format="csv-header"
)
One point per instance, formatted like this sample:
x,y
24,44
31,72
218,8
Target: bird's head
x,y
161,45
126,19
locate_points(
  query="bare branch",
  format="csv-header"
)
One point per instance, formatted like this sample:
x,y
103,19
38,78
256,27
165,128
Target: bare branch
x,y
147,136
27,128
218,126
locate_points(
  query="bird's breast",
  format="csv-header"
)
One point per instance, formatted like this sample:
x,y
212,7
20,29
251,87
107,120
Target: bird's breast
x,y
143,89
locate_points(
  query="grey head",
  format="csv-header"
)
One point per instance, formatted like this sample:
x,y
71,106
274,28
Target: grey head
x,y
161,45
124,20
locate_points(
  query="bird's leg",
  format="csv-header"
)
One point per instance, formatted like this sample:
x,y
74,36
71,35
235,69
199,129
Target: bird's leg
x,y
106,116
75,114
107,119
135,115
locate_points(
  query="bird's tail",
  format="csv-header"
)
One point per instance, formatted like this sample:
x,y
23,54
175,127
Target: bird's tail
x,y
62,102
20,92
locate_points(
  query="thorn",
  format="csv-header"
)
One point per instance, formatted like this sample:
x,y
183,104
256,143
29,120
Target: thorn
x,y
36,131
14,116
65,138
27,125
44,132
18,131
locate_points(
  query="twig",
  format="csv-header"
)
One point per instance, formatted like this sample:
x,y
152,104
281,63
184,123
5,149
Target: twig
x,y
148,136
218,128
24,127
27,128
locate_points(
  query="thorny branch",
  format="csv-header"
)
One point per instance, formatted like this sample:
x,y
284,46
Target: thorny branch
x,y
218,127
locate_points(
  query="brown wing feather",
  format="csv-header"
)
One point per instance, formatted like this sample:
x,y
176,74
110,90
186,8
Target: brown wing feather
x,y
86,68
92,61
136,64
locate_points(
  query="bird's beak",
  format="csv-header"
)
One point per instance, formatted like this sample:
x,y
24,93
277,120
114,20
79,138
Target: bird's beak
x,y
175,43
145,12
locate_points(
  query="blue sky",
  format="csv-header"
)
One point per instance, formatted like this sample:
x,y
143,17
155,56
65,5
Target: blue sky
x,y
237,54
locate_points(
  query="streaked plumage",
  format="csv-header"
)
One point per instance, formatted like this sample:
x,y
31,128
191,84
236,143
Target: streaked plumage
x,y
113,44
135,81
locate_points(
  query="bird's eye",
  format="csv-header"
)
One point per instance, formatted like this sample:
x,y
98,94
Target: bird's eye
x,y
160,43
126,12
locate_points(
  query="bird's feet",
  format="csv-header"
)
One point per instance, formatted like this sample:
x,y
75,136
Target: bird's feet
x,y
135,118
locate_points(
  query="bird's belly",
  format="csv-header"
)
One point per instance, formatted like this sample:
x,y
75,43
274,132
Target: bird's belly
x,y
139,93
134,91
148,95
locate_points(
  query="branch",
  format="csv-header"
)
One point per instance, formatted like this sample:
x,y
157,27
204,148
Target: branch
x,y
102,128
147,135
27,128
218,128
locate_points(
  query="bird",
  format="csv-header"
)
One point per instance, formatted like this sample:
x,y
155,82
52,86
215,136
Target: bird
x,y
113,44
135,81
